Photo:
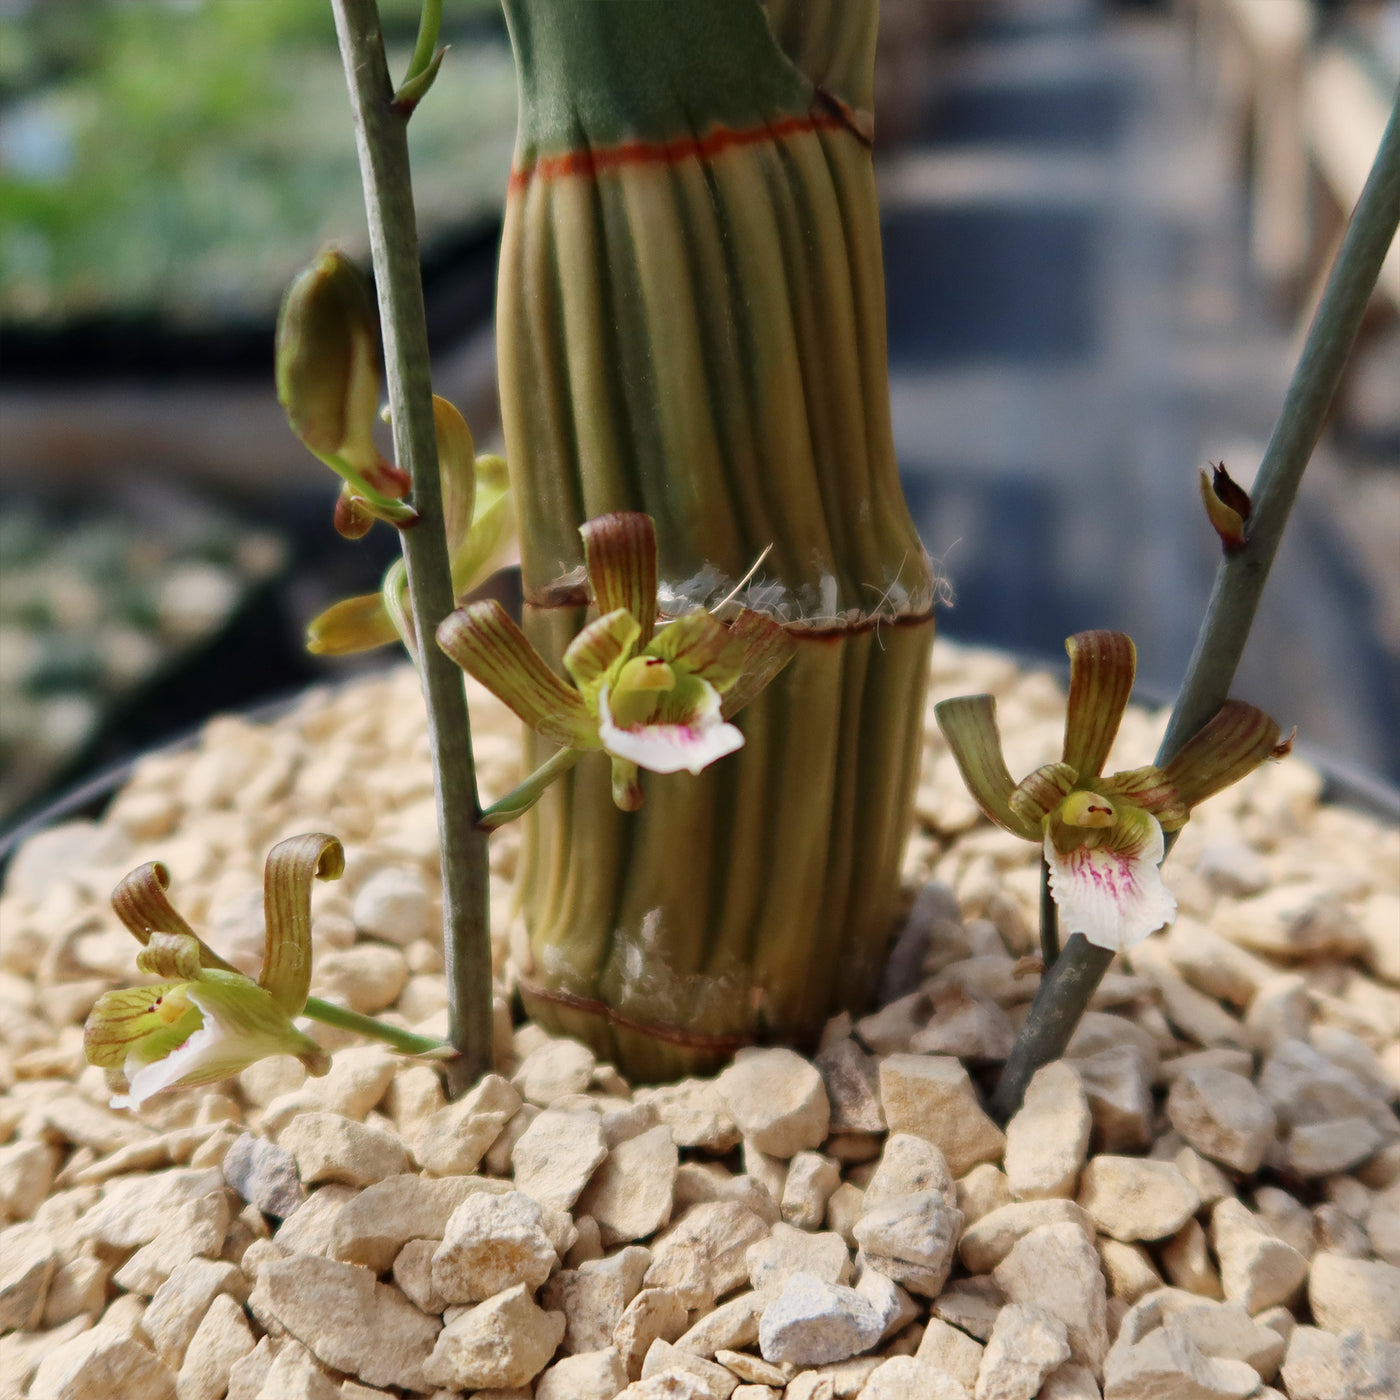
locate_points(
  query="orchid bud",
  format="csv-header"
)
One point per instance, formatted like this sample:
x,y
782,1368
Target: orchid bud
x,y
327,360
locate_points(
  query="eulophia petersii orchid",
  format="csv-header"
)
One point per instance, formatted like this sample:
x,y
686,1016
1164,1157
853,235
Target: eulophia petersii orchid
x,y
651,697
1103,836
204,1020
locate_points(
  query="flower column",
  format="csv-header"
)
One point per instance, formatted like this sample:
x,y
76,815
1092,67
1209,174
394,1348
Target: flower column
x,y
691,325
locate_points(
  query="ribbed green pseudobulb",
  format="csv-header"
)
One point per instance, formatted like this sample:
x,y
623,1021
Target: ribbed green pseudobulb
x,y
692,324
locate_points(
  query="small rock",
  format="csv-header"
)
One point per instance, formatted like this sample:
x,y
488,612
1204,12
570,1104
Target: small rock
x,y
26,1173
1281,1010
812,1322
329,1147
703,1256
912,1239
312,1230
773,1260
630,1195
222,1338
811,1178
1303,1086
394,904
971,1304
1287,1217
654,1314
778,1101
1256,1267
366,978
413,1275
182,1301
987,1242
1323,1149
668,1385
1227,1332
1128,1268
594,1296
553,1070
908,1378
502,1342
1223,1116
1348,1293
194,1228
1048,1138
1293,921
27,1263
908,1165
490,1244
1025,1346
374,1225
1186,1258
1071,1382
753,1369
966,1025
732,1324
295,1374
264,1174
588,1375
135,1209
349,1320
453,1141
1057,1268
1118,1084
1354,1366
984,1189
1165,1363
554,1157
950,1349
1136,1198
718,1382
852,1088
932,1097
696,1114
99,1364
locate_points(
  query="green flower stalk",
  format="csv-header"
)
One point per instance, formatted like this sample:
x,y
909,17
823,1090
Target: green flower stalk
x,y
691,327
1102,835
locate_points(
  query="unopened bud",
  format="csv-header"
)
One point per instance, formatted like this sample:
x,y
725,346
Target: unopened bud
x,y
327,360
351,519
1227,506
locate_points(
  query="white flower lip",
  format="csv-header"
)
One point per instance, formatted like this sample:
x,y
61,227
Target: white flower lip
x,y
1116,899
672,748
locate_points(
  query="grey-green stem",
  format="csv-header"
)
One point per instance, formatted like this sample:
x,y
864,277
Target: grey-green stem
x,y
381,137
1066,988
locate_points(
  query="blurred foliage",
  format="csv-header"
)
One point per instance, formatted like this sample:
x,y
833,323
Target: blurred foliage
x,y
187,156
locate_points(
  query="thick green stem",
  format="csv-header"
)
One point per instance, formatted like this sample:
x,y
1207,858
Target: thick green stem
x,y
381,136
1239,582
522,797
329,1014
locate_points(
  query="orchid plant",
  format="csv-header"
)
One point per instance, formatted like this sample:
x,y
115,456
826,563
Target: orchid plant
x,y
1102,836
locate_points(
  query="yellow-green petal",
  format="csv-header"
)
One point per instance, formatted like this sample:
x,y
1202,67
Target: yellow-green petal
x,y
969,723
1234,743
1101,670
292,867
484,641
620,552
141,903
1039,794
351,625
600,650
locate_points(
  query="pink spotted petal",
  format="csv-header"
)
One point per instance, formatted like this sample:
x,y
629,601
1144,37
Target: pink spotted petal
x,y
689,746
1114,897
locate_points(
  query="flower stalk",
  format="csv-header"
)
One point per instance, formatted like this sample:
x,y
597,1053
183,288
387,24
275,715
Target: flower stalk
x,y
1068,985
381,138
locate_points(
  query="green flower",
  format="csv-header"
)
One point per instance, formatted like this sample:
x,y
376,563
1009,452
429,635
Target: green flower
x,y
204,1020
653,698
1102,837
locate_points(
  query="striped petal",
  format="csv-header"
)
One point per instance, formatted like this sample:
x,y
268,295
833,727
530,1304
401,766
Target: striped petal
x,y
969,723
141,903
600,650
1231,745
292,867
1111,890
484,641
1039,794
620,551
765,648
1150,789
1101,670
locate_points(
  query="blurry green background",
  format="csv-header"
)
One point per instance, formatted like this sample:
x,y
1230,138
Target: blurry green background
x,y
187,155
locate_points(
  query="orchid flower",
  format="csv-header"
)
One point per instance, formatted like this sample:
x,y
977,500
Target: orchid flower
x,y
204,1020
479,520
658,698
1102,836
